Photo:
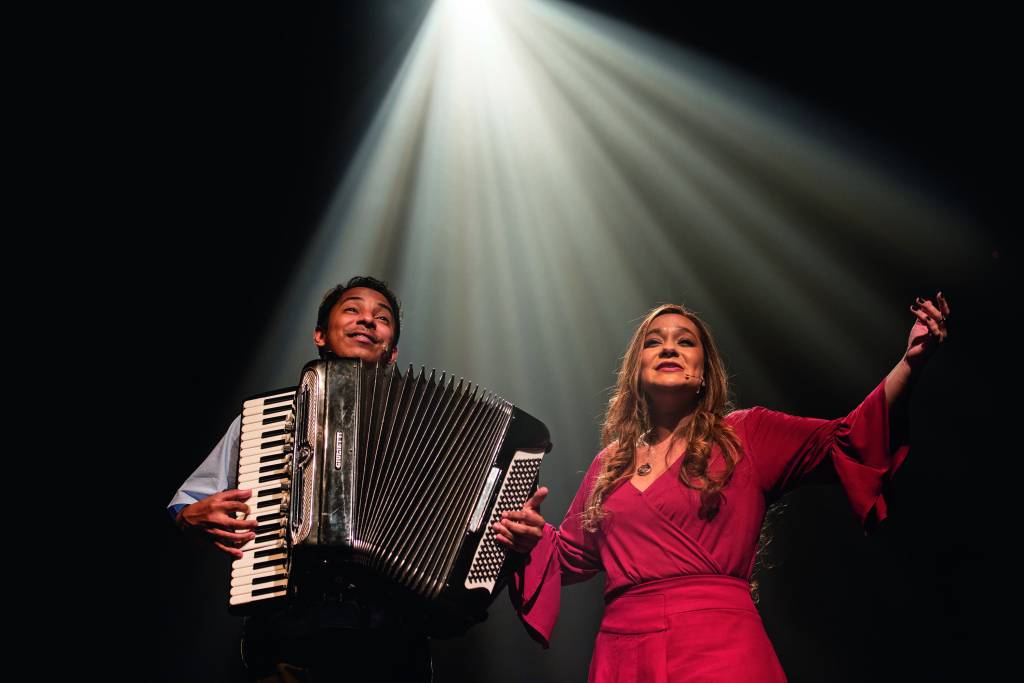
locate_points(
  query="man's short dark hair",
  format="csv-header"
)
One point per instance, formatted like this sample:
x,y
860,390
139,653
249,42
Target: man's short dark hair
x,y
323,314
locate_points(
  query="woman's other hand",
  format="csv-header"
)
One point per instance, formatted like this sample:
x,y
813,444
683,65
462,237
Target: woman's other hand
x,y
521,530
929,329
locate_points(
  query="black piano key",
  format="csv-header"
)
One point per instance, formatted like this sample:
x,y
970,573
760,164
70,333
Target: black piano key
x,y
269,492
264,528
267,579
271,409
270,563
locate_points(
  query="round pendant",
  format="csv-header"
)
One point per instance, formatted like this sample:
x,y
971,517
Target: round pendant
x,y
644,469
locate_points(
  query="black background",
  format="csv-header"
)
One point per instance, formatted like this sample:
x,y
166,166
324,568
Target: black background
x,y
241,120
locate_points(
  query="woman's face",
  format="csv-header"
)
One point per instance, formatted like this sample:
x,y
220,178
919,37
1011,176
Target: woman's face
x,y
671,356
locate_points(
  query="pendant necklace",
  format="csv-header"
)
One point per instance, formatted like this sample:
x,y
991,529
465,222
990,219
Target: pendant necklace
x,y
644,469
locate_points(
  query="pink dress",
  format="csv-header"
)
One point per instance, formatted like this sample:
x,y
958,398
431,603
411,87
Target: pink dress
x,y
677,598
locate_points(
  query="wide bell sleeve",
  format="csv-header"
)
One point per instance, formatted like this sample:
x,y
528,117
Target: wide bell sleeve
x,y
562,556
860,449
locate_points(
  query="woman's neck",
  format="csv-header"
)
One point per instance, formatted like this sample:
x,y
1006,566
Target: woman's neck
x,y
669,416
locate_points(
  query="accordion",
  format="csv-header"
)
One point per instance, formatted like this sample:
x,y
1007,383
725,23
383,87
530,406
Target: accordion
x,y
396,477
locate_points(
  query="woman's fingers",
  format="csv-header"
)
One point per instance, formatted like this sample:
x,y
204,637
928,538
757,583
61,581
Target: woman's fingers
x,y
943,304
929,308
520,529
534,503
517,536
503,535
932,315
525,516
927,320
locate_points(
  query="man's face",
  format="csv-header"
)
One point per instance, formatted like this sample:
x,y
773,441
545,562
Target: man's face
x,y
361,325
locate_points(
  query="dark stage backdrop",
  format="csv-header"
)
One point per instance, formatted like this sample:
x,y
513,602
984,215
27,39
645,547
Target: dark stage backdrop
x,y
252,114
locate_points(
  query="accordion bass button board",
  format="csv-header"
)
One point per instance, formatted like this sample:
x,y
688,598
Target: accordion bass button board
x,y
398,476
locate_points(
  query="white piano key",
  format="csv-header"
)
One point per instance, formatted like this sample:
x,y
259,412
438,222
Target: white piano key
x,y
250,579
259,462
262,496
256,434
280,559
256,465
250,557
254,502
252,477
261,452
249,590
272,538
264,421
266,400
277,509
265,469
244,599
267,408
262,487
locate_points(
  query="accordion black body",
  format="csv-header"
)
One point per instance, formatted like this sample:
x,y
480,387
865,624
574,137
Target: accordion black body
x,y
395,478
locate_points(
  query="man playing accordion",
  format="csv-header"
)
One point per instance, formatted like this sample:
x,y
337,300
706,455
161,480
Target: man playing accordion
x,y
346,632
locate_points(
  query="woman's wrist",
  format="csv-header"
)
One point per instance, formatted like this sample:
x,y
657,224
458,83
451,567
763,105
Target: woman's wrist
x,y
898,381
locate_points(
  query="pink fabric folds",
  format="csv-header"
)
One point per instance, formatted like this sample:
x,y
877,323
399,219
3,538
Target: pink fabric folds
x,y
785,449
694,628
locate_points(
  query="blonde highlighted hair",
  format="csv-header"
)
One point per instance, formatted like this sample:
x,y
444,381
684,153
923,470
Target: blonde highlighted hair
x,y
628,419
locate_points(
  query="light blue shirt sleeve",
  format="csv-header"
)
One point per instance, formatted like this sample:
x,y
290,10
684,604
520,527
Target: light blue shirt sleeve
x,y
217,473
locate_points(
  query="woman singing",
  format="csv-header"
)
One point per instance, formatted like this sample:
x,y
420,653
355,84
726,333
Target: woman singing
x,y
672,508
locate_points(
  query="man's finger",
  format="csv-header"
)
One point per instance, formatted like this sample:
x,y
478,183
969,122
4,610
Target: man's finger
x,y
234,552
236,494
235,506
232,522
230,536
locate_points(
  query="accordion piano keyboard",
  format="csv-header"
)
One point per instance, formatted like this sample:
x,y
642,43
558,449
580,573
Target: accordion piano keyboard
x,y
264,461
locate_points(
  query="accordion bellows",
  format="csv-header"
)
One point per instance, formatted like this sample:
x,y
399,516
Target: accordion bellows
x,y
402,474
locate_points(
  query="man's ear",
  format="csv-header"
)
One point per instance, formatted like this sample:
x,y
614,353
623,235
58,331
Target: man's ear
x,y
319,338
393,355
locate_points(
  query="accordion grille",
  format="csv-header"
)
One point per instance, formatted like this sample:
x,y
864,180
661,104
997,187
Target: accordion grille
x,y
307,407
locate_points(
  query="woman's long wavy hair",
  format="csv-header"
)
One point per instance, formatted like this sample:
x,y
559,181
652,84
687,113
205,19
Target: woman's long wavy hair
x,y
628,418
